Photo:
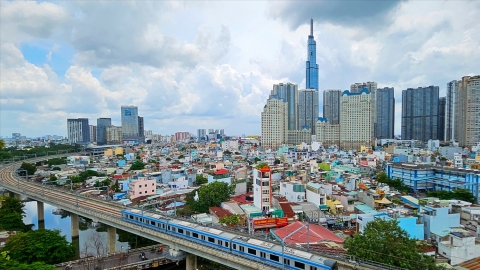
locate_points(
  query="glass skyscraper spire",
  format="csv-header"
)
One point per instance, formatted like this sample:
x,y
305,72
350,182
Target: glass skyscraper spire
x,y
311,64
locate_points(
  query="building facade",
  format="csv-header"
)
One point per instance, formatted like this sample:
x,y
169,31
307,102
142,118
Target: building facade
x,y
102,124
442,104
262,189
326,133
93,133
299,136
452,89
130,123
201,134
311,64
385,120
307,109
113,134
467,111
78,131
420,113
288,92
356,127
274,123
331,106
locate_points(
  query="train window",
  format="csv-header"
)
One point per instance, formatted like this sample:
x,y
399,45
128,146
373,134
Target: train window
x,y
234,246
180,230
274,258
187,233
131,217
203,237
163,226
174,229
211,240
242,249
313,268
195,235
226,244
220,242
169,227
252,251
286,261
152,222
299,265
262,254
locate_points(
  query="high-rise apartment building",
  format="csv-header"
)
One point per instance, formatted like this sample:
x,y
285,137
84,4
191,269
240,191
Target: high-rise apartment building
x,y
442,104
132,124
385,110
452,89
102,124
311,64
113,134
467,111
420,113
93,133
274,123
307,109
356,127
78,131
201,134
372,89
331,106
327,133
16,136
288,92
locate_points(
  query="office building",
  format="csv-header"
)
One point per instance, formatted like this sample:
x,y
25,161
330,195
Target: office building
x,y
467,111
78,131
420,113
385,110
141,127
288,92
201,135
311,64
452,88
274,123
442,104
113,134
132,125
16,136
356,128
93,133
331,106
102,124
307,109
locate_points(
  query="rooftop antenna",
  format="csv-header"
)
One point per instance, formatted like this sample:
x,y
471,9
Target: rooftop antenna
x,y
311,27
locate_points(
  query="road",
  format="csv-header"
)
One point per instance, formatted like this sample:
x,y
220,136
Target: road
x,y
117,260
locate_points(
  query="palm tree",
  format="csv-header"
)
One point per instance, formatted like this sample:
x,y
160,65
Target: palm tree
x,y
2,144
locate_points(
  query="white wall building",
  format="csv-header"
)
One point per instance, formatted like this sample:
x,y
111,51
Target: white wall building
x,y
262,188
274,124
316,194
356,121
459,246
231,146
293,191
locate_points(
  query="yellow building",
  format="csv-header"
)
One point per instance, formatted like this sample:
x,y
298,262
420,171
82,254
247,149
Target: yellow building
x,y
335,206
113,152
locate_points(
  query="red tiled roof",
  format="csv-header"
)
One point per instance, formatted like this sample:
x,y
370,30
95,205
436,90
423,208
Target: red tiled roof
x,y
287,210
219,212
221,171
242,199
317,234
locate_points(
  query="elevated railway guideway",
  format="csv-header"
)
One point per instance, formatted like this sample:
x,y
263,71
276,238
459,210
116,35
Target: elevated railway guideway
x,y
110,213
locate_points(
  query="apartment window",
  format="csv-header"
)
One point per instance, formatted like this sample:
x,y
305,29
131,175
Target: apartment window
x,y
140,192
153,190
265,200
153,184
145,185
265,191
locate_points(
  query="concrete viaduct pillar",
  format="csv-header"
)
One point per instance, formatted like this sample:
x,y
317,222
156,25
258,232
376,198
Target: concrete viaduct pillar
x,y
191,262
112,239
41,215
75,234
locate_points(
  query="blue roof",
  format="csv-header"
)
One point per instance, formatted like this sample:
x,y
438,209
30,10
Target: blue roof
x,y
364,90
322,119
365,208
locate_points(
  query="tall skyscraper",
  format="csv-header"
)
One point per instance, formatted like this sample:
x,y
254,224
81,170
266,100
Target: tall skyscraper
x,y
307,109
93,133
78,131
331,106
113,134
288,92
131,124
102,124
452,88
385,110
311,64
467,113
274,123
420,113
442,104
201,134
356,128
141,127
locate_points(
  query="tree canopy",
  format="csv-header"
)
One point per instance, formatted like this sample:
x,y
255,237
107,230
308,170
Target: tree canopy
x,y
2,144
81,177
11,215
394,183
47,246
385,242
232,220
212,194
56,161
31,169
137,165
457,194
261,166
7,263
200,180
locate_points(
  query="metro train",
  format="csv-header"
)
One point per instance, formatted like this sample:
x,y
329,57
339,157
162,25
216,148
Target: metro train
x,y
250,248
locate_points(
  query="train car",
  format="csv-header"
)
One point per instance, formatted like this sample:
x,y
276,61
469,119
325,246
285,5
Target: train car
x,y
254,249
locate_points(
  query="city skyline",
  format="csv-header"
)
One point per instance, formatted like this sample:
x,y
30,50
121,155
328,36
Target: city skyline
x,y
74,60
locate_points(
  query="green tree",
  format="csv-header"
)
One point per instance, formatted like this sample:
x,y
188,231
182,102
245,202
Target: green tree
x,y
116,186
11,214
394,183
277,161
457,194
181,156
232,220
31,169
137,165
2,144
385,242
81,177
47,246
56,161
256,159
7,263
200,180
53,178
212,194
261,166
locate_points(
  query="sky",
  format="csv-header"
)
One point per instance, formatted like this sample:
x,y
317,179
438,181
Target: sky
x,y
212,64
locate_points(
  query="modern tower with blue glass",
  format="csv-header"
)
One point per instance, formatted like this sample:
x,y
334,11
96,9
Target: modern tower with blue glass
x,y
311,64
